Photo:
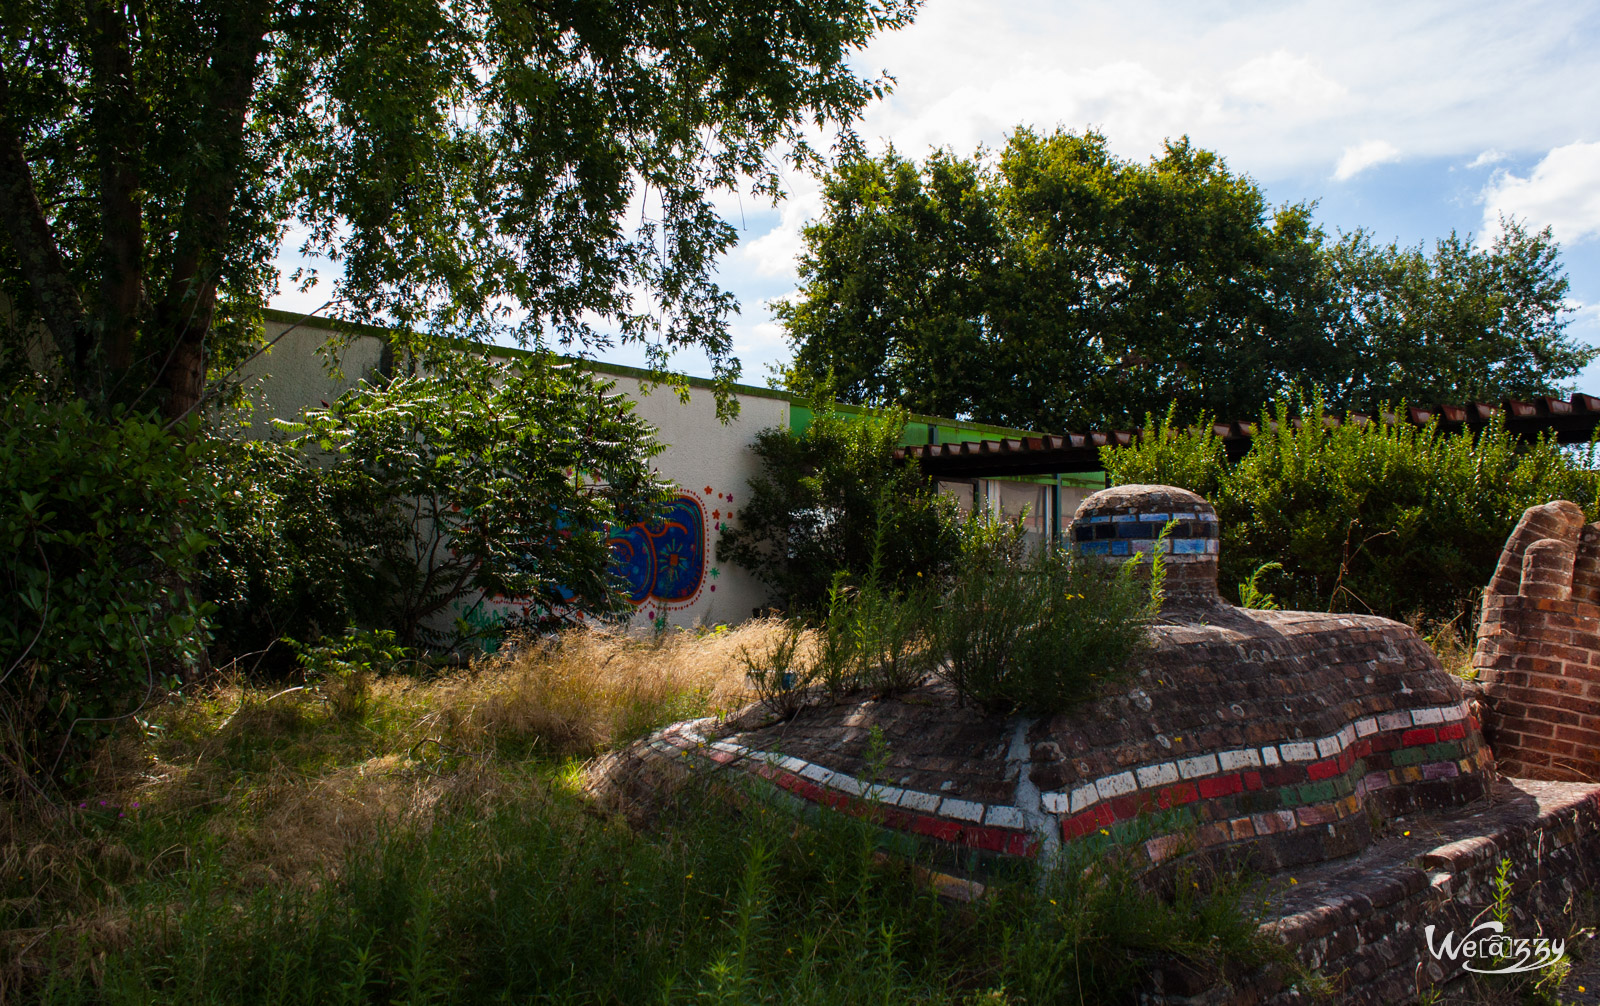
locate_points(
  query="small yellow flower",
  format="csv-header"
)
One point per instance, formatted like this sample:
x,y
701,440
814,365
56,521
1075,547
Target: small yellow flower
x,y
1406,834
1293,881
1104,832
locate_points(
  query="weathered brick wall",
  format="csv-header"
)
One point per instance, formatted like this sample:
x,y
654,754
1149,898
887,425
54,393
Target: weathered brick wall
x,y
1538,652
1362,922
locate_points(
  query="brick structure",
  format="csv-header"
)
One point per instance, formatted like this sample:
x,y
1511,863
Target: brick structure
x,y
1538,650
1330,749
1284,734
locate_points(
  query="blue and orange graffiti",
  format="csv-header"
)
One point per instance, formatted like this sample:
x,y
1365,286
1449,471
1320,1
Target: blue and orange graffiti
x,y
664,558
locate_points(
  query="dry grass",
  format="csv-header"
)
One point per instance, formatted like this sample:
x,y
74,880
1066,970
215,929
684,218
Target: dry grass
x,y
280,784
588,691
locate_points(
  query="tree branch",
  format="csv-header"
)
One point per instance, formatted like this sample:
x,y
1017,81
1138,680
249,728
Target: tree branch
x,y
35,245
116,124
202,232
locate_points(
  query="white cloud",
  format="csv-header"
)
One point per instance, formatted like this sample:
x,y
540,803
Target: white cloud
x,y
1284,80
1364,155
1562,191
1487,158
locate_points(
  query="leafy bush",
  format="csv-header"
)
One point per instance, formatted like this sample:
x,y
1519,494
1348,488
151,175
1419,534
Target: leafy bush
x,y
102,523
294,556
1036,632
1391,519
832,498
481,477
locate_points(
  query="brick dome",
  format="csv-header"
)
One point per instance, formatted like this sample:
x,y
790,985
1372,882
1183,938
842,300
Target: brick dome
x,y
1128,520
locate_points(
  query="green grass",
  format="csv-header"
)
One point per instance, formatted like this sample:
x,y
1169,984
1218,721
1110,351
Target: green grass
x,y
289,857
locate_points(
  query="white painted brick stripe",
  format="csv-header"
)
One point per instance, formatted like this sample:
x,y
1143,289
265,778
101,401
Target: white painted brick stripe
x,y
1084,797
817,773
1194,768
1232,761
1091,793
1116,785
964,810
1004,816
1298,751
1158,775
846,783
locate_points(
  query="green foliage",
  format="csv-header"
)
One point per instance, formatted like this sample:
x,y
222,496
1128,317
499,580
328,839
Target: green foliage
x,y
343,668
541,900
894,630
1391,519
1252,596
832,498
1053,285
483,477
1464,324
1036,632
459,163
1056,285
295,553
103,523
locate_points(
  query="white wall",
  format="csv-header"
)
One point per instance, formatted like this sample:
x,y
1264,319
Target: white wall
x,y
710,461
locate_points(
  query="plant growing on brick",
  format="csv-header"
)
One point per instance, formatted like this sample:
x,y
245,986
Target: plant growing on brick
x,y
1038,632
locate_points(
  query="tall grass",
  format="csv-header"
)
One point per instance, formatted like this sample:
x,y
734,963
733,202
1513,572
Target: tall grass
x,y
429,844
540,901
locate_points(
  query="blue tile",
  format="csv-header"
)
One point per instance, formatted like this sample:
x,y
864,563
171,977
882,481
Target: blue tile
x,y
1118,547
1094,548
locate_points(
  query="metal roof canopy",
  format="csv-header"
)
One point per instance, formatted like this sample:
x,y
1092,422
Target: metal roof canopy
x,y
1571,422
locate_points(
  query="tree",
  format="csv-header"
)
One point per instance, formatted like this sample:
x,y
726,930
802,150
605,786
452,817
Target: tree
x,y
1054,285
1057,285
468,166
477,478
1464,324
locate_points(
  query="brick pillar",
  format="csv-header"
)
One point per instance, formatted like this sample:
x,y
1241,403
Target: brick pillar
x,y
1538,650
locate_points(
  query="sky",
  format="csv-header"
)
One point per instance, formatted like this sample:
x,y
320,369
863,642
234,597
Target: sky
x,y
1408,120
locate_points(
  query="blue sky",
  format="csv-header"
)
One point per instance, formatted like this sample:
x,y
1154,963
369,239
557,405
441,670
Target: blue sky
x,y
1407,120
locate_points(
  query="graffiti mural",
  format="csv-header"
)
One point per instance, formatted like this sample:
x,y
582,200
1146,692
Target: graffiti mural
x,y
663,559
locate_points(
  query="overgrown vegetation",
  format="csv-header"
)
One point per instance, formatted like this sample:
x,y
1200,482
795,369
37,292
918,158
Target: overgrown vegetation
x,y
255,846
102,525
832,498
1011,629
1397,520
137,553
1038,631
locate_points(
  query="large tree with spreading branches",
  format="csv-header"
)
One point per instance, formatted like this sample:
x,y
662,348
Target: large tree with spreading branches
x,y
543,166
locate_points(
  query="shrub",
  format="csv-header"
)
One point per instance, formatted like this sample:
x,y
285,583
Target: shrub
x,y
484,478
1038,632
294,555
832,498
102,525
1392,519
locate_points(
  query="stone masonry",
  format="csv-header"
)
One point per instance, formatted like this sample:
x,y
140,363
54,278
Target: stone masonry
x,y
1330,751
1538,650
